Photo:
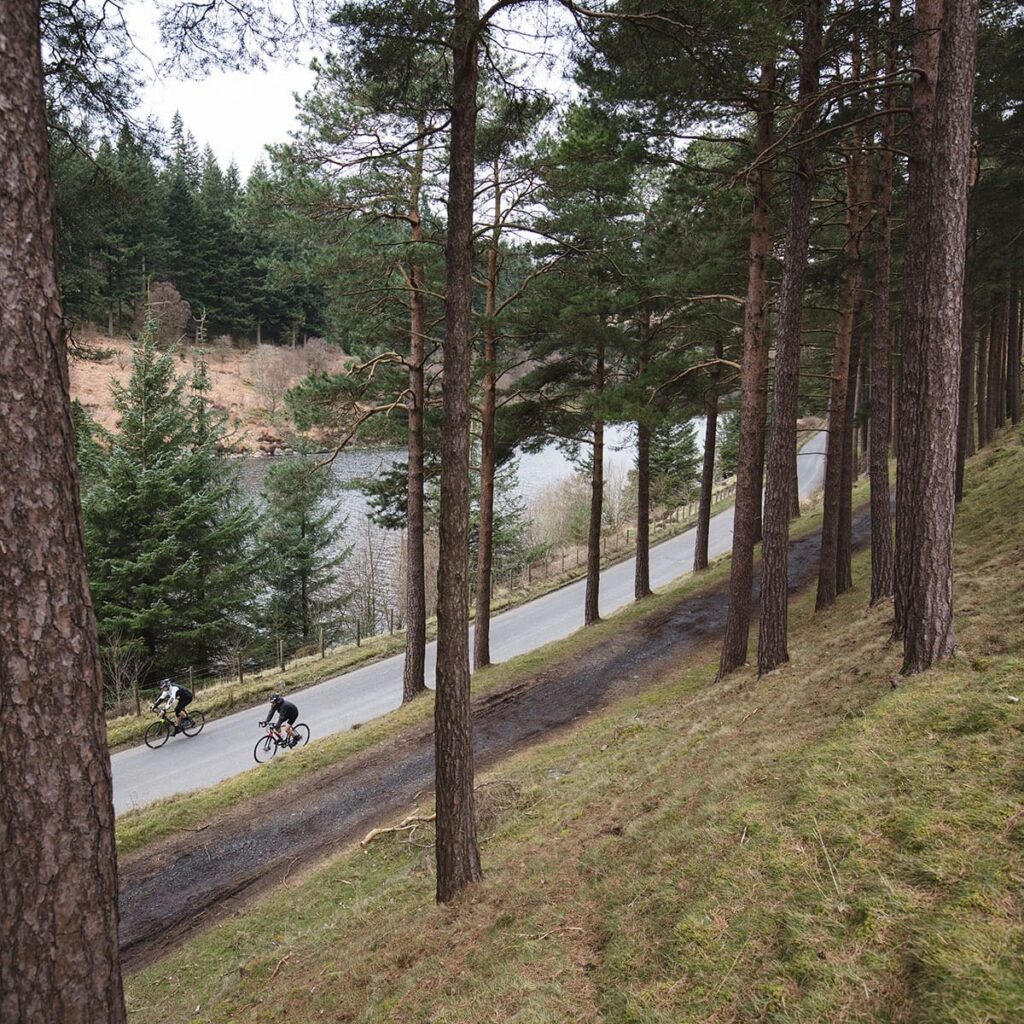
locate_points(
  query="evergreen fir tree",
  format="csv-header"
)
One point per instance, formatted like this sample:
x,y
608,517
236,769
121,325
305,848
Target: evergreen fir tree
x,y
728,445
167,540
675,463
299,556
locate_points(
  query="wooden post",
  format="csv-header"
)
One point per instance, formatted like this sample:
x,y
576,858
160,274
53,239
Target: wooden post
x,y
563,561
191,680
627,536
359,633
321,641
241,677
510,580
280,652
391,621
577,556
529,574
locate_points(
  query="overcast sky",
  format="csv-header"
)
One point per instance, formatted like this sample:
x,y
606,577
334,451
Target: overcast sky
x,y
236,112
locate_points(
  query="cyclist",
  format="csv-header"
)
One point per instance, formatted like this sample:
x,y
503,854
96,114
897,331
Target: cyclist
x,y
287,713
180,696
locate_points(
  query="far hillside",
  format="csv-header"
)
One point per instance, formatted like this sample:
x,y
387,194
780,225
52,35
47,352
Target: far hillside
x,y
249,383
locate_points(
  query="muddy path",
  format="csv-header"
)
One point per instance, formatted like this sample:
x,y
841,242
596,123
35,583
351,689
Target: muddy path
x,y
188,881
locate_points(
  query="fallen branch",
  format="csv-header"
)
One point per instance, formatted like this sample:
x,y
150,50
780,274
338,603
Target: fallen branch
x,y
412,822
280,962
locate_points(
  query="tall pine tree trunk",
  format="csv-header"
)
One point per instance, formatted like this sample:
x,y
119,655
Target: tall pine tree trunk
x,y
844,533
881,377
58,876
966,425
1013,383
995,340
927,19
753,398
839,427
642,574
707,476
458,856
485,543
981,383
772,648
591,604
413,681
1012,346
933,349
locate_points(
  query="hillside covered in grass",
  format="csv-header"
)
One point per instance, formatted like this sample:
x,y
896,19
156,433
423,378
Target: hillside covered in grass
x,y
816,845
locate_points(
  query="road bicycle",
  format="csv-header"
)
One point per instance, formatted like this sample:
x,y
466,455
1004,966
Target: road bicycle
x,y
269,744
160,732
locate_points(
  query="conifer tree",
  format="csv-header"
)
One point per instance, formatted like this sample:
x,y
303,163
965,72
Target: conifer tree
x,y
298,554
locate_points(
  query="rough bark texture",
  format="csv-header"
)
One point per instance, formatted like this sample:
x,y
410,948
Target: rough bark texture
x,y
413,681
839,426
881,377
642,574
1013,350
485,543
772,641
458,856
591,603
1013,383
981,384
58,878
927,18
933,348
965,425
844,533
707,476
753,400
996,335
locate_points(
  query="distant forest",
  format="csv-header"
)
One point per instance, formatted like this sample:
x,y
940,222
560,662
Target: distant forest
x,y
140,211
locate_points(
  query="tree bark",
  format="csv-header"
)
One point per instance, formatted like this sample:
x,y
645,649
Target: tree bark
x,y
981,383
965,427
927,19
844,533
642,574
458,856
881,377
485,542
591,604
413,681
772,642
995,348
707,477
1013,352
753,398
58,876
933,348
839,427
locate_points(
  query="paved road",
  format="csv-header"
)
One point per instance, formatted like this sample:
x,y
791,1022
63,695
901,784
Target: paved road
x,y
224,747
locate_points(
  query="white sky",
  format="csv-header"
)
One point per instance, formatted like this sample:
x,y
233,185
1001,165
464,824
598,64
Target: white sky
x,y
236,112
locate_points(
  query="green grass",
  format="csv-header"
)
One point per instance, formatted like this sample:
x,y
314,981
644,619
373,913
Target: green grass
x,y
812,846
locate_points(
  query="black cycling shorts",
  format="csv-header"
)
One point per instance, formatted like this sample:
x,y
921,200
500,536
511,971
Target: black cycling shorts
x,y
183,701
288,716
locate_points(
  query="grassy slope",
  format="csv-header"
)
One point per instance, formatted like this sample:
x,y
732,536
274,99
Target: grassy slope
x,y
813,846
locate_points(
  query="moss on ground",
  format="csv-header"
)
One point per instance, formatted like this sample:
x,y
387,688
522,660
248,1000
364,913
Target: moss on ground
x,y
812,846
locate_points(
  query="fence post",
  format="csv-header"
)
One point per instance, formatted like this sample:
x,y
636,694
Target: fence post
x,y
604,544
627,536
359,633
191,681
280,652
391,621
529,574
241,677
563,561
321,641
511,585
577,556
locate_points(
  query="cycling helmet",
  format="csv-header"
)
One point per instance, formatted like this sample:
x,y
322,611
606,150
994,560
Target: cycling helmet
x,y
165,684
276,700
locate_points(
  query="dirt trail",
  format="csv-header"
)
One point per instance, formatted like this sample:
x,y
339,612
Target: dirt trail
x,y
256,844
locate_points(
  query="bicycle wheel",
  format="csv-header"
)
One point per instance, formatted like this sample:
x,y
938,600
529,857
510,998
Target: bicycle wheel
x,y
302,731
265,749
194,723
157,734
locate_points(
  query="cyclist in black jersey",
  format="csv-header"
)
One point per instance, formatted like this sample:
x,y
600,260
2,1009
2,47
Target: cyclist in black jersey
x,y
287,713
179,696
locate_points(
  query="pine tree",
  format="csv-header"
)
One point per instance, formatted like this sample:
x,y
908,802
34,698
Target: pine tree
x,y
298,554
675,462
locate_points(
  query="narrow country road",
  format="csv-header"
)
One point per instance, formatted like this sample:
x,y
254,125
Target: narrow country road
x,y
224,748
